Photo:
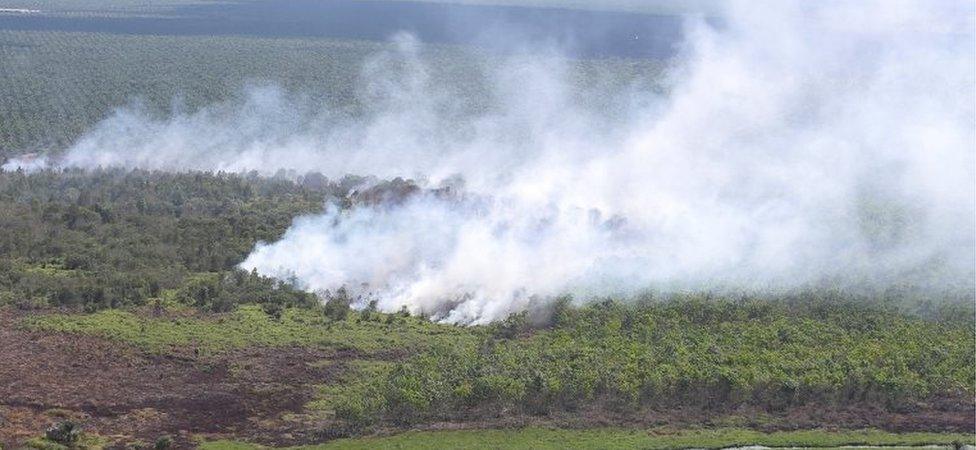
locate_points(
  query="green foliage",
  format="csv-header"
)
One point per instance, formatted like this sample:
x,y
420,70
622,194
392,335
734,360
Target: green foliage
x,y
250,325
101,240
690,353
353,398
108,239
337,305
685,352
57,85
67,435
163,443
64,433
223,292
511,327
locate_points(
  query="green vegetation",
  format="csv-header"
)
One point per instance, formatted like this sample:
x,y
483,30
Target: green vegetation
x,y
87,75
617,358
56,85
250,325
113,238
64,433
683,352
67,435
354,397
150,259
613,438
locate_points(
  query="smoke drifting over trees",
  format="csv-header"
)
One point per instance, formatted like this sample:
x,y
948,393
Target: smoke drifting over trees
x,y
797,143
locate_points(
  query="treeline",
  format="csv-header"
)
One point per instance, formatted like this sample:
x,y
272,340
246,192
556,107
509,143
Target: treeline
x,y
617,359
115,238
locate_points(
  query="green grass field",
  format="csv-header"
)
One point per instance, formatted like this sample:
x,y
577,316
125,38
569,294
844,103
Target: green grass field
x,y
249,326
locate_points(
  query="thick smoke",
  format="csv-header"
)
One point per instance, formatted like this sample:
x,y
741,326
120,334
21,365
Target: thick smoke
x,y
801,142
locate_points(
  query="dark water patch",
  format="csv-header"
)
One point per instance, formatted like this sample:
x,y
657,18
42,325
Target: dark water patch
x,y
580,33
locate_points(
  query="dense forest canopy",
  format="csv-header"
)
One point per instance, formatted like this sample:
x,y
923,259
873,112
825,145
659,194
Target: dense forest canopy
x,y
120,238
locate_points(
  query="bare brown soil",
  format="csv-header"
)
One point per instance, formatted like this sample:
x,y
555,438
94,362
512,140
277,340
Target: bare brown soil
x,y
258,394
117,390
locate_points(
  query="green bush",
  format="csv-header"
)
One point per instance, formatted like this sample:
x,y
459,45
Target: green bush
x,y
100,239
337,305
65,433
698,352
163,443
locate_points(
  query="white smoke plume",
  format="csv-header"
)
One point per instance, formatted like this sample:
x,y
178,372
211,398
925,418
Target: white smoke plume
x,y
798,142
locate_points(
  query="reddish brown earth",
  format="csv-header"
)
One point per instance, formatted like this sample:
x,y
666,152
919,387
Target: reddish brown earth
x,y
117,390
257,394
